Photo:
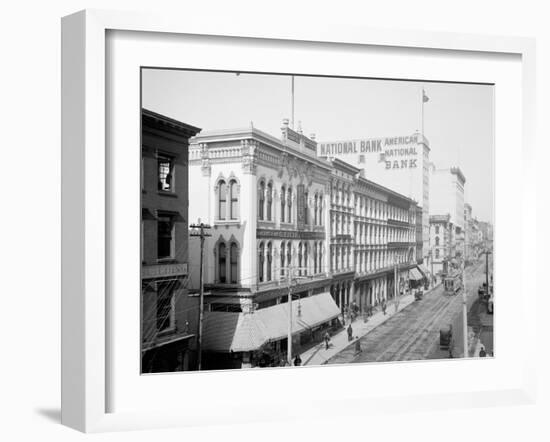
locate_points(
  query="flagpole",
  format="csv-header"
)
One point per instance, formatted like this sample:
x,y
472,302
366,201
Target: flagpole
x,y
422,100
292,101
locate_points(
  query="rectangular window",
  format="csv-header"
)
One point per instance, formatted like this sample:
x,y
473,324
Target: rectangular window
x,y
165,306
165,165
165,240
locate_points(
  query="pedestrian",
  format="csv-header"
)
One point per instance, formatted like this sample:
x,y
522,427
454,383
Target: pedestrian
x,y
297,361
482,352
384,306
327,340
350,333
358,346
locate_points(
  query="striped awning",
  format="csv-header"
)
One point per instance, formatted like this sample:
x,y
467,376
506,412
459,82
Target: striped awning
x,y
237,332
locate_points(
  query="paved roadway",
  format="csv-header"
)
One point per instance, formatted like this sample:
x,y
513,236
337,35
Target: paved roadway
x,y
413,333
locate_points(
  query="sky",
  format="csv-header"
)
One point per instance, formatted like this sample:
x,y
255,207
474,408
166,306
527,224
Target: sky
x,y
458,118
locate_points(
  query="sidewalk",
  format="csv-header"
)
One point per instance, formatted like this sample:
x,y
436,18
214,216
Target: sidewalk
x,y
318,355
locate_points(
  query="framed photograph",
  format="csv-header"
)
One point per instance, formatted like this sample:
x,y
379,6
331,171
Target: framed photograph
x,y
257,212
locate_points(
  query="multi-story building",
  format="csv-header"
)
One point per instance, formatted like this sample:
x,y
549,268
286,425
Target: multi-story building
x,y
372,234
385,243
399,163
283,217
443,249
266,200
447,197
166,309
486,235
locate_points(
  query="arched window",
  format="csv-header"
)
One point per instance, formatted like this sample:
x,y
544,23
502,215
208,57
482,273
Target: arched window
x,y
320,253
314,258
315,210
261,262
222,271
300,259
234,200
437,230
289,204
283,203
289,254
269,261
306,208
222,199
234,262
437,240
269,200
306,261
261,199
320,208
282,259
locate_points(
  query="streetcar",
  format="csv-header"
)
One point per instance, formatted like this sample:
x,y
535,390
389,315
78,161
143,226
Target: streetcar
x,y
452,283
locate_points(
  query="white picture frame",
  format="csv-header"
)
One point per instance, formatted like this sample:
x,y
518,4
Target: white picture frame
x,y
86,206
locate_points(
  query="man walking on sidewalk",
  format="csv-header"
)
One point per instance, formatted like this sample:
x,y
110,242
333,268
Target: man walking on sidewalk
x,y
384,307
350,333
327,340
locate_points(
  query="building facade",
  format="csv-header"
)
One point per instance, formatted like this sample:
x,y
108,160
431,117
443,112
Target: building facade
x,y
447,198
266,199
443,249
167,311
373,239
285,220
399,163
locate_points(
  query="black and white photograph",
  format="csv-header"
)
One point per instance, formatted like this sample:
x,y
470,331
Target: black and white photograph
x,y
292,220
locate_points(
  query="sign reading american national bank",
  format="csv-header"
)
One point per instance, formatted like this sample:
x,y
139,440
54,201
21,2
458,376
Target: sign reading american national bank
x,y
395,152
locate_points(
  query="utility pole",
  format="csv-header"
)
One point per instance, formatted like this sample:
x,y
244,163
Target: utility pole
x,y
487,270
289,277
464,310
199,231
395,286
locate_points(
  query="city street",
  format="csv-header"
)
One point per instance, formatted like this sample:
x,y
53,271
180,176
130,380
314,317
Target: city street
x,y
413,333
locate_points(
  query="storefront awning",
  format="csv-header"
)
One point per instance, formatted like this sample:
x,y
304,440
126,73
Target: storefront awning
x,y
237,332
415,275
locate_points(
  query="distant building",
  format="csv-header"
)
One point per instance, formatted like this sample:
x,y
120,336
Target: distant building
x,y
447,197
166,310
443,249
486,234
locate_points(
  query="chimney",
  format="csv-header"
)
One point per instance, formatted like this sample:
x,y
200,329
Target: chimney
x,y
312,137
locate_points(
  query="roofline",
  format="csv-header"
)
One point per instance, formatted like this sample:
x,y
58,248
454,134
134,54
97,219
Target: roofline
x,y
343,164
255,133
188,128
385,189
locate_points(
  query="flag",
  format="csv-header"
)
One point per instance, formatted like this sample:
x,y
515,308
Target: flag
x,y
425,98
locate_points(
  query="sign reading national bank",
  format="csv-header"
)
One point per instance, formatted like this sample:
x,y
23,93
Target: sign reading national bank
x,y
394,152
